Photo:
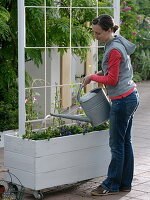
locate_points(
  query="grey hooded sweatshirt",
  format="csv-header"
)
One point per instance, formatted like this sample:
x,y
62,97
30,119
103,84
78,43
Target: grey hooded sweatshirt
x,y
125,82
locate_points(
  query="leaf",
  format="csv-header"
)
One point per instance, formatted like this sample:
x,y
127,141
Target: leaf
x,y
4,17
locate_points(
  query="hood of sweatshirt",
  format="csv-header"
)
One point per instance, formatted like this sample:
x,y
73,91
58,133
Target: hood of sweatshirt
x,y
129,46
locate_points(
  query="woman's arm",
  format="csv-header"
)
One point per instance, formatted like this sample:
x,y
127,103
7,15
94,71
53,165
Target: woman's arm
x,y
111,78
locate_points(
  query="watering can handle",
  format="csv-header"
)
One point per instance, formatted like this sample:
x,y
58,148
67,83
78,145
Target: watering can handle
x,y
79,92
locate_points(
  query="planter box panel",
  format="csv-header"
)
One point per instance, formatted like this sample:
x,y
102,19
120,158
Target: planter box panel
x,y
59,177
71,159
71,143
56,161
2,134
45,147
19,161
18,145
27,179
70,175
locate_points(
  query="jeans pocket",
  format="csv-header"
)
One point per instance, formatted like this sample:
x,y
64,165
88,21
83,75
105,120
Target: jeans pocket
x,y
131,107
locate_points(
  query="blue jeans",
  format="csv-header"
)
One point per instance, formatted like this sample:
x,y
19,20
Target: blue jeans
x,y
120,171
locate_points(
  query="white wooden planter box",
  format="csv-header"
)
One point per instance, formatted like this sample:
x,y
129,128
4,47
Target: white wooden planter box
x,y
43,164
2,136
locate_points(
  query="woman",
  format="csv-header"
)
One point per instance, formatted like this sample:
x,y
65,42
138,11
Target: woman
x,y
117,75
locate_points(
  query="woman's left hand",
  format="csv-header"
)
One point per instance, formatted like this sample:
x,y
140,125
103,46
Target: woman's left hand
x,y
86,80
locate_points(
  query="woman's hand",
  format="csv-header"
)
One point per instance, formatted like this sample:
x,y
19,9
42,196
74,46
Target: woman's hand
x,y
100,73
86,80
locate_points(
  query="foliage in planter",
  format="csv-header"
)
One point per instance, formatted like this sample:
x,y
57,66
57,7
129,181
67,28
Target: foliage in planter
x,y
65,130
58,126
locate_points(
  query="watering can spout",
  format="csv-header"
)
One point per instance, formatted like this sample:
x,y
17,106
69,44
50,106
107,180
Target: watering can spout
x,y
73,117
95,105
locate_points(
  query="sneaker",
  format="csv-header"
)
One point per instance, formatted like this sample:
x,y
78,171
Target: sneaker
x,y
124,190
99,191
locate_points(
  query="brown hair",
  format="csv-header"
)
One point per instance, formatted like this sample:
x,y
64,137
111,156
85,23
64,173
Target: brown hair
x,y
106,22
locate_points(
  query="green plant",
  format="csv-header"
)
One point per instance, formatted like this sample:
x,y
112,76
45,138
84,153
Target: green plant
x,y
142,66
57,104
53,132
58,27
8,117
32,107
135,23
4,17
137,77
105,3
129,24
145,64
8,66
57,107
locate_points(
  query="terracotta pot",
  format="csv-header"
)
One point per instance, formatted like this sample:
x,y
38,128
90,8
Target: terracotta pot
x,y
2,190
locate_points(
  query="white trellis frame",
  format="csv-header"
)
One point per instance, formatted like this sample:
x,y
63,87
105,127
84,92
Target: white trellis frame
x,y
22,46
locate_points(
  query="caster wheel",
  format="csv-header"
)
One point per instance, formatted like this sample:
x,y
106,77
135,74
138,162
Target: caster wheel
x,y
38,195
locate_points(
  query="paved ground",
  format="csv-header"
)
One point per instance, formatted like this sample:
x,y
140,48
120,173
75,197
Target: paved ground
x,y
141,143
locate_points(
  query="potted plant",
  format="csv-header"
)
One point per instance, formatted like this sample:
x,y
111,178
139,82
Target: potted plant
x,y
55,159
69,154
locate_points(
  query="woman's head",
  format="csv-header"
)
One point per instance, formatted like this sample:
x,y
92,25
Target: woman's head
x,y
104,28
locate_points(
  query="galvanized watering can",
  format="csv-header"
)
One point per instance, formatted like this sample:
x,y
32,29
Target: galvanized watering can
x,y
95,105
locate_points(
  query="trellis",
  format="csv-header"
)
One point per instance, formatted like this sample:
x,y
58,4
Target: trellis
x,y
22,46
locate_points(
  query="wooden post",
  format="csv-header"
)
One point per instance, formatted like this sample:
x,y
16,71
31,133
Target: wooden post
x,y
89,68
65,74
